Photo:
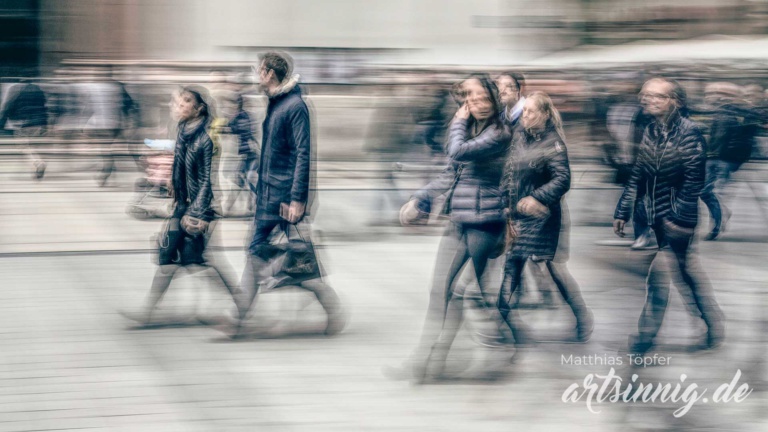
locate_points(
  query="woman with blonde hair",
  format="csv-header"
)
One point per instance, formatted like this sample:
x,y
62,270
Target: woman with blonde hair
x,y
536,177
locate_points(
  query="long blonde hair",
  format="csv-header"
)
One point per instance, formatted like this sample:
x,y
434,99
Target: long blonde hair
x,y
545,104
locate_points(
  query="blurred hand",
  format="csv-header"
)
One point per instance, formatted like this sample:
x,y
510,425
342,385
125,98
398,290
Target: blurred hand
x,y
409,213
618,227
292,213
463,112
530,206
193,225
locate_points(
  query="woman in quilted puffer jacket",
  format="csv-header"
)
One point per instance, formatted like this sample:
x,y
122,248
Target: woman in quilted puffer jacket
x,y
536,177
478,142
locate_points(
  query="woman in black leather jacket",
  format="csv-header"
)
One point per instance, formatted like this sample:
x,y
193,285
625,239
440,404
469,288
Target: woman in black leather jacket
x,y
192,198
477,144
536,177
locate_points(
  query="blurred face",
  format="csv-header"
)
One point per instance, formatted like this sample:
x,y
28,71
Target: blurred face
x,y
265,75
533,118
478,100
509,93
186,107
656,98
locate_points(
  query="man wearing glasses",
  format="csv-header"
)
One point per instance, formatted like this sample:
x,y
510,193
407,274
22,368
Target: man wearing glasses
x,y
669,173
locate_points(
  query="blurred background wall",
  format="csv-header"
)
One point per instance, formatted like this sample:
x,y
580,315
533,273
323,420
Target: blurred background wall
x,y
395,31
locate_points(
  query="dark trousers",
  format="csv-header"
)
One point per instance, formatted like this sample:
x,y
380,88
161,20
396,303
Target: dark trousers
x,y
718,174
258,269
566,284
640,223
220,266
459,245
675,259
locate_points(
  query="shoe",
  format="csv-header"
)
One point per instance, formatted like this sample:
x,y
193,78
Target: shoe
x,y
585,327
639,344
39,170
143,318
336,323
642,241
719,227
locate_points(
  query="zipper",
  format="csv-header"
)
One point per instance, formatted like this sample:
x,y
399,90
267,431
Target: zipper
x,y
674,201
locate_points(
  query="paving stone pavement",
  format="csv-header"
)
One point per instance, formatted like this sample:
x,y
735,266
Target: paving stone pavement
x,y
69,361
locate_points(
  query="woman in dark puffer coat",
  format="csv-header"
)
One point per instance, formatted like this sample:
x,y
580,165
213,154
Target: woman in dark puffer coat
x,y
478,142
536,177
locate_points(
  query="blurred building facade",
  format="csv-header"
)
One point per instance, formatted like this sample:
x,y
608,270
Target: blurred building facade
x,y
340,32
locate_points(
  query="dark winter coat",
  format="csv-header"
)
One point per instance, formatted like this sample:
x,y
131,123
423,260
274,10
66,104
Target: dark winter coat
x,y
25,104
473,176
732,135
284,170
191,174
669,173
537,166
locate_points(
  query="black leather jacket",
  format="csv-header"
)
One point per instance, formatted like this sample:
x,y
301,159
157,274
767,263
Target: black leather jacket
x,y
192,190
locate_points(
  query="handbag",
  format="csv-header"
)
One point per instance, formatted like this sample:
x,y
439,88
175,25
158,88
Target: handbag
x,y
175,246
167,243
506,240
295,260
449,197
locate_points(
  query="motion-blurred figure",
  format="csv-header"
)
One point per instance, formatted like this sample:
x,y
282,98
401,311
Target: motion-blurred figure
x,y
191,225
248,152
626,123
671,164
477,143
26,105
731,139
106,99
389,139
537,176
283,199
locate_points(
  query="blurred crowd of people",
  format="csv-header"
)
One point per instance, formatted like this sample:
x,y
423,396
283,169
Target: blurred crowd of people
x,y
504,147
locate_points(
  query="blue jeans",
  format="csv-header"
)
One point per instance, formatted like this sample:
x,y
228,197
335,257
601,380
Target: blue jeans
x,y
718,174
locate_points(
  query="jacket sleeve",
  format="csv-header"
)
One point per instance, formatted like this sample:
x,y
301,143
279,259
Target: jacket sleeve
x,y
685,212
201,204
492,141
560,177
301,146
440,185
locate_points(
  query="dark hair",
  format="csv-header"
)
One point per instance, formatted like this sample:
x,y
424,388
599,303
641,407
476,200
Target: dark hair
x,y
278,63
518,78
493,93
200,95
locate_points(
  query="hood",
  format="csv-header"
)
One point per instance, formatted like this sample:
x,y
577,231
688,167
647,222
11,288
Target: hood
x,y
287,86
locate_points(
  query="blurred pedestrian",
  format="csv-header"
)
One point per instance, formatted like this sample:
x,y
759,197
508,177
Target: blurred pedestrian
x,y
283,198
536,177
188,231
671,164
731,139
477,143
26,105
248,152
626,123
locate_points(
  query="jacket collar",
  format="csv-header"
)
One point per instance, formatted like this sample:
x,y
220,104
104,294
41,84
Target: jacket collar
x,y
288,86
667,130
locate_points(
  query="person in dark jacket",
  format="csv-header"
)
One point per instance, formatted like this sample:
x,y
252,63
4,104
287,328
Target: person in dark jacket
x,y
536,177
247,150
731,139
670,167
26,105
477,143
283,196
193,213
